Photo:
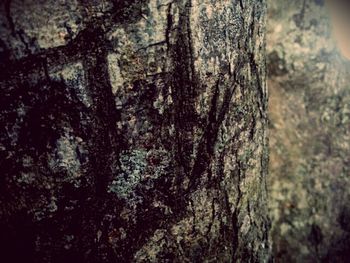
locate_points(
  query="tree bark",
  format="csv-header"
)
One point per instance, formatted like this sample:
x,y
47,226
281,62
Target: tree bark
x,y
133,131
309,144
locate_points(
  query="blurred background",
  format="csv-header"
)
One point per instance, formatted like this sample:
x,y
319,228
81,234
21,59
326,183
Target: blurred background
x,y
309,105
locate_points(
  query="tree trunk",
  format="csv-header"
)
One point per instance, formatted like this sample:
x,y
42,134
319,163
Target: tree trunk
x,y
309,112
133,131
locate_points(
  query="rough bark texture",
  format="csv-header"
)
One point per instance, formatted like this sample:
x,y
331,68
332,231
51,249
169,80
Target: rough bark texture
x,y
309,136
133,131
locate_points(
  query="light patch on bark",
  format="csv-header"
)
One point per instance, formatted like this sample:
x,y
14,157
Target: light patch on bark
x,y
115,76
53,25
65,156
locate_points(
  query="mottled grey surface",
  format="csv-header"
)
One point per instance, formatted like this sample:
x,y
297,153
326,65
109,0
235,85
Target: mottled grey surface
x,y
133,131
309,87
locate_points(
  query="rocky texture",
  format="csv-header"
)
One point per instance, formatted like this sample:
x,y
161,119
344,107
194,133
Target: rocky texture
x,y
133,131
309,136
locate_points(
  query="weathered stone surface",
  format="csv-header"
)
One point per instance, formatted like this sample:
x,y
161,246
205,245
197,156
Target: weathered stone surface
x,y
309,136
140,138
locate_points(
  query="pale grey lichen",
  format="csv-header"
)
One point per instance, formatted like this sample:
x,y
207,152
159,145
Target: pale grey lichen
x,y
133,165
137,166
